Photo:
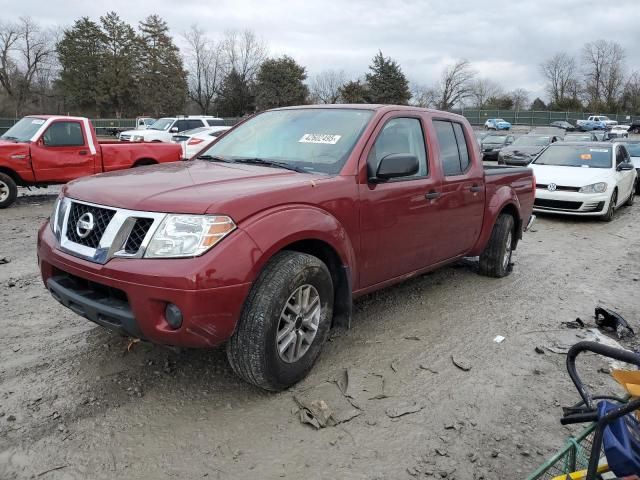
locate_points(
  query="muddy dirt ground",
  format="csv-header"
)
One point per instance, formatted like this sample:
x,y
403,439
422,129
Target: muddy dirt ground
x,y
75,403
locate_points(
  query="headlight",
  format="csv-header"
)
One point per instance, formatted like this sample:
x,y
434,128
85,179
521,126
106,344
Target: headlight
x,y
57,216
188,235
137,138
599,187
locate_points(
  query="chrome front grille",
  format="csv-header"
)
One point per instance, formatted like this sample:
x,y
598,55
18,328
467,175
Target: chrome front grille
x,y
125,138
98,233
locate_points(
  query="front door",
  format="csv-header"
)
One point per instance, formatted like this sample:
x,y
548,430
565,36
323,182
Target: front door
x,y
61,153
399,221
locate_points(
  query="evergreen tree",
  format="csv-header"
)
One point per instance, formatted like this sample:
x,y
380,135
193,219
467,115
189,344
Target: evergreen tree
x,y
354,92
163,80
280,83
79,52
235,99
386,82
119,73
538,104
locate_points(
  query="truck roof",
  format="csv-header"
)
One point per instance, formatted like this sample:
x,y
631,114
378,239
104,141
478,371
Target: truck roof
x,y
375,107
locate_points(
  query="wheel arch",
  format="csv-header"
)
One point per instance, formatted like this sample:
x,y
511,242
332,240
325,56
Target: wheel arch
x,y
144,161
13,174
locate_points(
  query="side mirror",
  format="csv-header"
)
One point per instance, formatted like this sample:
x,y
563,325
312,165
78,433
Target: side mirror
x,y
624,166
174,130
397,165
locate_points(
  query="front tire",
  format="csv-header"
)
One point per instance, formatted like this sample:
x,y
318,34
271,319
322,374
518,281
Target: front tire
x,y
607,217
632,197
8,190
284,323
495,261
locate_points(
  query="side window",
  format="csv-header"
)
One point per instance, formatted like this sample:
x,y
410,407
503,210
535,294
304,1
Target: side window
x,y
181,125
454,153
399,135
462,146
64,134
195,124
619,156
625,154
216,123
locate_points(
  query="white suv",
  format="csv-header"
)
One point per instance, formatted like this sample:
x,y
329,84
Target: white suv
x,y
164,129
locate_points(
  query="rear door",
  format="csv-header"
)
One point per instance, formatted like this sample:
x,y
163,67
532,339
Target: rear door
x,y
399,221
463,196
62,152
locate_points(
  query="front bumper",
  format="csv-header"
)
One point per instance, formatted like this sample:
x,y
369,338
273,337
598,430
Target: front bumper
x,y
516,161
571,203
131,295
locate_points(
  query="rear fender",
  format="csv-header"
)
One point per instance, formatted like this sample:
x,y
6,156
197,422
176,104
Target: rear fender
x,y
504,199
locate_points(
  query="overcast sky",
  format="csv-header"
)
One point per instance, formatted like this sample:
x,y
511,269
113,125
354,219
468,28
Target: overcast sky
x,y
505,40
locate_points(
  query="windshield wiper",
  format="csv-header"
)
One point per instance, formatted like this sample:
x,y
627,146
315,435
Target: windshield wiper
x,y
213,158
15,139
269,163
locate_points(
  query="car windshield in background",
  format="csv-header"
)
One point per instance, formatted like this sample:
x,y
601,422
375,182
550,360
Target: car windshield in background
x,y
162,124
578,138
531,141
494,139
24,130
584,156
498,120
633,148
310,139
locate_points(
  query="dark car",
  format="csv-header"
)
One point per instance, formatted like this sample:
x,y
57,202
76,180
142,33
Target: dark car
x,y
582,137
525,149
635,126
633,147
566,126
492,144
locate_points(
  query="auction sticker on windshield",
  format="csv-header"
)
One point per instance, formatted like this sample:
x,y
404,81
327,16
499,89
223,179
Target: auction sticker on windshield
x,y
320,138
37,121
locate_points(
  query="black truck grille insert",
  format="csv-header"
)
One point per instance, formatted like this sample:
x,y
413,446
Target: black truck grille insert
x,y
136,237
559,204
100,217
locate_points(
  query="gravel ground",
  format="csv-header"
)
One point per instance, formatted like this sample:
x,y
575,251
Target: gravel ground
x,y
76,402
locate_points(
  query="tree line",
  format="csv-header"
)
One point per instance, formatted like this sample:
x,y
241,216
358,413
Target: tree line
x,y
109,68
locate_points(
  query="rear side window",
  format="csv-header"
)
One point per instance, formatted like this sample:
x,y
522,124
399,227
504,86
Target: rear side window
x,y
399,135
216,123
194,124
454,153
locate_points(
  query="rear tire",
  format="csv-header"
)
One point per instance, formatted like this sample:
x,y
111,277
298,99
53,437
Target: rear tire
x,y
495,261
8,190
274,345
632,197
607,217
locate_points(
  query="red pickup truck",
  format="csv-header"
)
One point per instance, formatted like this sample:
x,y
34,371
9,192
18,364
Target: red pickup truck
x,y
44,149
265,238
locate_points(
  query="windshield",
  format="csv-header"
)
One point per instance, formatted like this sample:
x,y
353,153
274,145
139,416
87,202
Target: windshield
x,y
498,120
531,141
314,140
634,149
494,139
149,121
575,156
162,124
24,130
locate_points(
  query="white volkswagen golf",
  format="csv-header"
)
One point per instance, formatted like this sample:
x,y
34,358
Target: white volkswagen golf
x,y
591,179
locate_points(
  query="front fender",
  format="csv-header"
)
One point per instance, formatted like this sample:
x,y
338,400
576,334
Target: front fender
x,y
503,197
273,230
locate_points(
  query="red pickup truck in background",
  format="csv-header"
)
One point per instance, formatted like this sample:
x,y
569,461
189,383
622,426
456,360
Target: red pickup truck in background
x,y
43,150
266,237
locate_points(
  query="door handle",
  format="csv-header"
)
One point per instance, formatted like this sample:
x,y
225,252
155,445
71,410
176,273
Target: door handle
x,y
82,152
475,188
432,195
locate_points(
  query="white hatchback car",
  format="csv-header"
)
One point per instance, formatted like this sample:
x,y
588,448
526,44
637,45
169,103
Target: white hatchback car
x,y
590,179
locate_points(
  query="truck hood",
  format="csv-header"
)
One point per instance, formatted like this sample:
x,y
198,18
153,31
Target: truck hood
x,y
569,176
196,187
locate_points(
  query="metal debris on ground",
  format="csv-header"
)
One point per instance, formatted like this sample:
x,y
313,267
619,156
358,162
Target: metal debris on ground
x,y
610,321
403,409
577,323
4,260
324,405
499,339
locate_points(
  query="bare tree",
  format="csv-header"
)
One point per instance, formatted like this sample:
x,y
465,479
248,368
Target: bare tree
x,y
425,97
244,52
482,90
326,85
560,72
603,64
205,66
520,98
455,84
25,51
631,94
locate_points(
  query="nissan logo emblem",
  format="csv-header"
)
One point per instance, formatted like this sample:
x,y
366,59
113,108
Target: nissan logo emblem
x,y
552,187
85,225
